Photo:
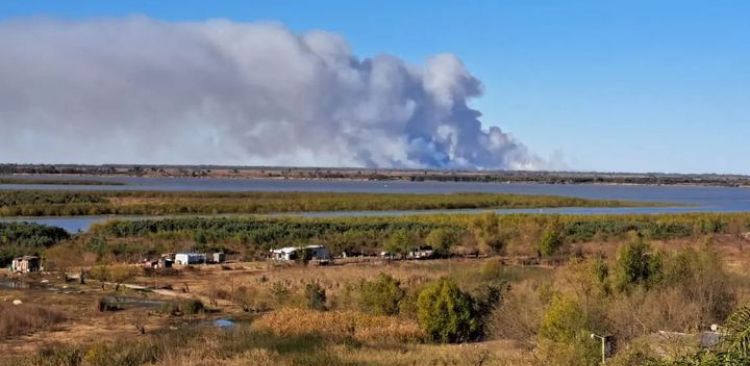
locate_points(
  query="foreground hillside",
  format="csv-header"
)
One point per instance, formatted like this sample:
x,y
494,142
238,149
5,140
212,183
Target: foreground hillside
x,y
509,290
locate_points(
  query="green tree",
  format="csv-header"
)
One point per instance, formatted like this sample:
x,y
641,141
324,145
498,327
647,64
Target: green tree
x,y
441,240
637,265
381,296
398,242
565,334
551,241
486,230
448,314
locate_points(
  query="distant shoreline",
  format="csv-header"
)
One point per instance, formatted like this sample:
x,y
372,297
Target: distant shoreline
x,y
63,174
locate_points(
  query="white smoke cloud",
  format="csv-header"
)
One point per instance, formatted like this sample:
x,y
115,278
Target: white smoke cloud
x,y
139,90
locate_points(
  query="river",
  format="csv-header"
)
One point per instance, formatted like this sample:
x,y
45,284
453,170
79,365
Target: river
x,y
690,198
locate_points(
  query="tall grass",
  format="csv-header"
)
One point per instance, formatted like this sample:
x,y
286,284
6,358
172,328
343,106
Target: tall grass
x,y
16,320
340,326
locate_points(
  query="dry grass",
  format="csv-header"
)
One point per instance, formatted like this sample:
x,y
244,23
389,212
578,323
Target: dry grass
x,y
340,326
479,354
16,320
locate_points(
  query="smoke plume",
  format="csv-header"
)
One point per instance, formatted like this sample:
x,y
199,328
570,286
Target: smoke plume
x,y
139,90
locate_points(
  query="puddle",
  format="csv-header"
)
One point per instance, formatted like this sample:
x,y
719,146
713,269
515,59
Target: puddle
x,y
224,323
14,284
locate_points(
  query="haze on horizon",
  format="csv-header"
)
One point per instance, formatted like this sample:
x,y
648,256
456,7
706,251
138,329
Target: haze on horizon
x,y
492,85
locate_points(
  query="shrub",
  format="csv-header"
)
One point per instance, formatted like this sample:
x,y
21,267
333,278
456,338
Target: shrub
x,y
550,242
637,265
441,240
565,334
184,307
381,296
315,296
447,314
398,242
700,277
279,292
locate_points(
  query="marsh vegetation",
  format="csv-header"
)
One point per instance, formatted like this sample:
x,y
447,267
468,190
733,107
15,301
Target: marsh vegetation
x,y
66,203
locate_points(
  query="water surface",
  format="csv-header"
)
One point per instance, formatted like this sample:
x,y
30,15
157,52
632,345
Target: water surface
x,y
690,198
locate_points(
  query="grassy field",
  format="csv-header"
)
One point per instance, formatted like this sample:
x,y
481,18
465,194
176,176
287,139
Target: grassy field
x,y
66,203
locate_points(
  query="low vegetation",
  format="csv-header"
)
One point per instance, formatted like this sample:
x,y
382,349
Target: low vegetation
x,y
545,236
18,239
68,203
16,320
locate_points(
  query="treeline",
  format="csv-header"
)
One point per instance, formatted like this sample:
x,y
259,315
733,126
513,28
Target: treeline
x,y
17,239
65,203
59,181
381,174
535,235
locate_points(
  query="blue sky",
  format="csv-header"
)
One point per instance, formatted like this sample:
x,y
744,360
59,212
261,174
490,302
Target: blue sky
x,y
609,85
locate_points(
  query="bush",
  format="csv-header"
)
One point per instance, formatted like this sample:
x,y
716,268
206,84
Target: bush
x,y
315,296
441,240
565,334
185,307
550,242
381,296
637,265
447,314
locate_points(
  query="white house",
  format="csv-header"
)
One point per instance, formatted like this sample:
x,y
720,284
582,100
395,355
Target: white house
x,y
422,252
26,264
312,252
189,258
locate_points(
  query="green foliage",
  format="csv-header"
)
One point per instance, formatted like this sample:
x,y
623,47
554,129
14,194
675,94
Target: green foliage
x,y
441,240
17,239
381,296
486,229
492,233
637,265
398,242
550,242
700,275
58,203
566,327
447,314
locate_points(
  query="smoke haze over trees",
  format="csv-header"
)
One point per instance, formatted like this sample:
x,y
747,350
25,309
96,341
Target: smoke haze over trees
x,y
139,90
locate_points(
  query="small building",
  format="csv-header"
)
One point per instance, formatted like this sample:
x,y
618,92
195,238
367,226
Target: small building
x,y
189,258
310,252
423,252
218,257
162,262
26,264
